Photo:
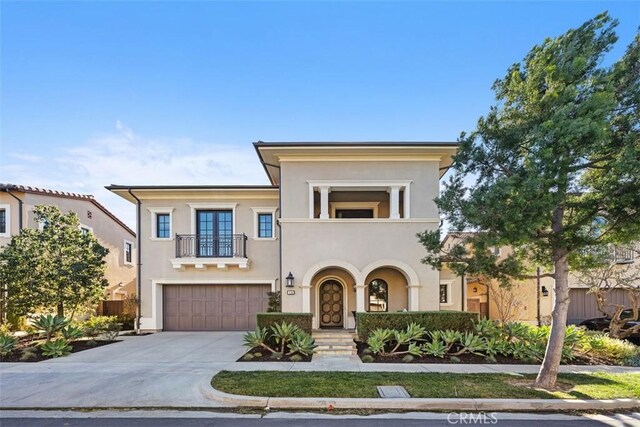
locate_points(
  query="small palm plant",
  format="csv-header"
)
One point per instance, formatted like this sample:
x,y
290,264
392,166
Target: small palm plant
x,y
51,325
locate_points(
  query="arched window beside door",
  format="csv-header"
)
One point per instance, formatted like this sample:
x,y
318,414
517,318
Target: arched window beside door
x,y
378,295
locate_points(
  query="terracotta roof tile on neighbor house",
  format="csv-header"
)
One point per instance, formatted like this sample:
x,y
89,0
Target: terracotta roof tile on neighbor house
x,y
66,195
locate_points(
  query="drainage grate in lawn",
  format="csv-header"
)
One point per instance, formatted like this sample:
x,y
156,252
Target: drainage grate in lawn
x,y
392,392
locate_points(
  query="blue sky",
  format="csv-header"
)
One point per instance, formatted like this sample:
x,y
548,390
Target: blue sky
x,y
95,93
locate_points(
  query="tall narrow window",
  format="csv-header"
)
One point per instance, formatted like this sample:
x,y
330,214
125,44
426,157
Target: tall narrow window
x,y
444,294
265,225
378,295
163,226
128,252
3,221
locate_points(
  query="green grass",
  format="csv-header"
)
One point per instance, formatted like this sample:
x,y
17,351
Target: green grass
x,y
435,385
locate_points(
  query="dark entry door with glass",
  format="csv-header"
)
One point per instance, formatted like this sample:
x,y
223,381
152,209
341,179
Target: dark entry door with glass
x,y
331,304
215,233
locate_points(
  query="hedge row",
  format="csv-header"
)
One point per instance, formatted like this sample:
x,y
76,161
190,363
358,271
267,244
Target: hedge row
x,y
432,320
302,320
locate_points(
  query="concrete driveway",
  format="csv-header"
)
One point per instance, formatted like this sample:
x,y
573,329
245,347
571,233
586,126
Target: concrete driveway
x,y
165,369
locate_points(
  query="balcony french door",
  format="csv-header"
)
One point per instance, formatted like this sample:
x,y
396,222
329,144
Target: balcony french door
x,y
215,233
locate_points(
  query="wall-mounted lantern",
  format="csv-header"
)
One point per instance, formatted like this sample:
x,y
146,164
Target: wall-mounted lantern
x,y
289,280
545,291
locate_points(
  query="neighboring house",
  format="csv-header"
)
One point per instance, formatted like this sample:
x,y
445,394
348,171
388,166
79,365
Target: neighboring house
x,y
336,232
529,301
16,212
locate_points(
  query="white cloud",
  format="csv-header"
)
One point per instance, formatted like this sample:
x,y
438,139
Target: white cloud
x,y
130,159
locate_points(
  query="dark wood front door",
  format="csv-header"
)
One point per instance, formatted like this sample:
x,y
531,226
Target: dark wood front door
x,y
331,304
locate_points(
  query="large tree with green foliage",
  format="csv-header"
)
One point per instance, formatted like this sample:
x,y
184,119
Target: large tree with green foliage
x,y
56,268
556,165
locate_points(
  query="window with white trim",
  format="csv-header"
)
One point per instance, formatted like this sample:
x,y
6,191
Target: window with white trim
x,y
128,252
5,225
161,223
264,221
445,293
265,225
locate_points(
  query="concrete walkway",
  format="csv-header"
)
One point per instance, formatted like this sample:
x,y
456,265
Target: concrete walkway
x,y
354,364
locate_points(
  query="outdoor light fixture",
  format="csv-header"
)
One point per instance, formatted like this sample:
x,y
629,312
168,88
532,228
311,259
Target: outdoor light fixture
x,y
475,290
545,291
290,280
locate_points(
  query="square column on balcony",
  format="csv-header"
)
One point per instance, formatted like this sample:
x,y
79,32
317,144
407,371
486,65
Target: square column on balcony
x,y
324,201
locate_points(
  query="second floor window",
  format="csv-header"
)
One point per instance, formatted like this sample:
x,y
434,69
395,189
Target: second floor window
x,y
128,252
265,225
163,226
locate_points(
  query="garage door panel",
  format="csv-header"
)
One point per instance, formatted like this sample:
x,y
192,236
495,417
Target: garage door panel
x,y
213,307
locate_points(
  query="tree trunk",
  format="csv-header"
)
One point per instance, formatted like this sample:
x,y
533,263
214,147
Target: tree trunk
x,y
60,309
553,354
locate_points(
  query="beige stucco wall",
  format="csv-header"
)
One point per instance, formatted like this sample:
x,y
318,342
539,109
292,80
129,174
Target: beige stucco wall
x,y
312,244
109,233
157,268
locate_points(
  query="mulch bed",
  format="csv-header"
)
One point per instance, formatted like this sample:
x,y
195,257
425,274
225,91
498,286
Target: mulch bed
x,y
466,358
76,346
266,357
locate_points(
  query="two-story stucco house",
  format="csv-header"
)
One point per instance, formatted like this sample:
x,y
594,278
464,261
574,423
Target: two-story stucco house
x,y
335,232
16,212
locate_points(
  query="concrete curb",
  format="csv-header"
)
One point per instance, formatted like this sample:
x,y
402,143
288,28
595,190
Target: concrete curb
x,y
545,405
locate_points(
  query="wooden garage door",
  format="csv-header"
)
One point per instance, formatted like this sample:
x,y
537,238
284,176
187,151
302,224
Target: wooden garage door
x,y
213,307
583,305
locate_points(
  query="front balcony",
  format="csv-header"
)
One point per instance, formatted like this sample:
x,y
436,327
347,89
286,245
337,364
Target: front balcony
x,y
202,251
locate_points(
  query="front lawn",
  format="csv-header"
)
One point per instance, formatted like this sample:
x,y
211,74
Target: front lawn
x,y
424,385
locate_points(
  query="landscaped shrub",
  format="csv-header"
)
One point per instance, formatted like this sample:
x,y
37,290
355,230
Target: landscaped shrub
x,y
107,326
488,339
599,347
301,320
7,344
72,332
430,320
50,324
56,348
280,338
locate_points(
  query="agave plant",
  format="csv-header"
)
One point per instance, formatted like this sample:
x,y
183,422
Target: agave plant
x,y
487,328
257,338
450,338
282,333
378,339
50,324
56,348
301,342
72,333
514,330
434,348
470,343
7,344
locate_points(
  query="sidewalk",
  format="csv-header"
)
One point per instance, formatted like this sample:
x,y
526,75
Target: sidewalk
x,y
354,364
